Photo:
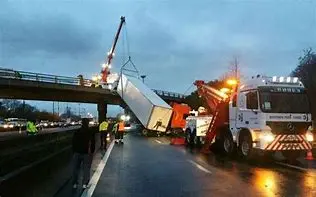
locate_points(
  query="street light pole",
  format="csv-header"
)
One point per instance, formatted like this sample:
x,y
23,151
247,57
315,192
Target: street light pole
x,y
53,108
143,78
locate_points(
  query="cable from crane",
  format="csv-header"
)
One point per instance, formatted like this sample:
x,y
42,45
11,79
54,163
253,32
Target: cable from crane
x,y
188,88
125,34
123,47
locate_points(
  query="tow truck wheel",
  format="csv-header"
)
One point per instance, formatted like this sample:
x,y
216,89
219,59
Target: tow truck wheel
x,y
187,136
228,144
197,141
245,145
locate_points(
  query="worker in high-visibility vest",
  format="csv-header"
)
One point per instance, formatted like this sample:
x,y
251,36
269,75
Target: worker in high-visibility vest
x,y
31,128
103,128
120,132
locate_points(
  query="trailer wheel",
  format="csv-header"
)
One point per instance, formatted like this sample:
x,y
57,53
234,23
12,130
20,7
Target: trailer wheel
x,y
245,145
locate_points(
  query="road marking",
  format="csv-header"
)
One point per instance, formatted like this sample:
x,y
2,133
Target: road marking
x,y
97,174
295,167
158,141
200,167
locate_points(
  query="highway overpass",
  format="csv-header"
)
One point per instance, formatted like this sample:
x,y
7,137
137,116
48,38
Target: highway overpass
x,y
45,87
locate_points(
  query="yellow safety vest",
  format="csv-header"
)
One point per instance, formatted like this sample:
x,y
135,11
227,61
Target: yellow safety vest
x,y
30,127
103,126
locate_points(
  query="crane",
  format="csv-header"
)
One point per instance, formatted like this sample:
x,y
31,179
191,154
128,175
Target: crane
x,y
106,66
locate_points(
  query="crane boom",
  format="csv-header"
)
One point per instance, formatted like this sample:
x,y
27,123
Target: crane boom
x,y
106,68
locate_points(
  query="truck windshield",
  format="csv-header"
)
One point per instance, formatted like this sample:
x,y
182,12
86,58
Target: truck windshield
x,y
281,102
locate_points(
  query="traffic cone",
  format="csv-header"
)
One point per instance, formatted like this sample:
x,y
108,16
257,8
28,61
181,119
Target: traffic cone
x,y
309,155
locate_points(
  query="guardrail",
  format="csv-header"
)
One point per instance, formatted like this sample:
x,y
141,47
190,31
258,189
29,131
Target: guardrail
x,y
169,94
14,74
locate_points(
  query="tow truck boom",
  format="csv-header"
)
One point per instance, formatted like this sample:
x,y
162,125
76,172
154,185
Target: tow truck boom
x,y
218,102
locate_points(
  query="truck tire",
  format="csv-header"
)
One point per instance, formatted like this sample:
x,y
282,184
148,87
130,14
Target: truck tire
x,y
196,139
224,143
228,143
291,156
245,145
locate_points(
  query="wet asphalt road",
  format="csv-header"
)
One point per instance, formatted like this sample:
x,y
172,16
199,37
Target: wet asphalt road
x,y
152,167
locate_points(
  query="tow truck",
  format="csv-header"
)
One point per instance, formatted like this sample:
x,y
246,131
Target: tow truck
x,y
263,114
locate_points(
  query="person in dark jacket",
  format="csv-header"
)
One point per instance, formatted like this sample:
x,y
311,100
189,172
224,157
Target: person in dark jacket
x,y
83,145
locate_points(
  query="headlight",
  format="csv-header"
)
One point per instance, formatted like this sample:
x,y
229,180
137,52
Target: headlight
x,y
45,124
309,136
5,126
268,137
11,126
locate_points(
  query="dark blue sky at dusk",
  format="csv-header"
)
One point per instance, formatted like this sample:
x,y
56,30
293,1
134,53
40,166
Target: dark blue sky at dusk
x,y
173,42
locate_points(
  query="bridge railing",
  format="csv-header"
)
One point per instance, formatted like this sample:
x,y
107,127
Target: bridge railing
x,y
13,74
169,94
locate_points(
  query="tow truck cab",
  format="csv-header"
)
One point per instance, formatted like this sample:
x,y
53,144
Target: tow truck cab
x,y
274,113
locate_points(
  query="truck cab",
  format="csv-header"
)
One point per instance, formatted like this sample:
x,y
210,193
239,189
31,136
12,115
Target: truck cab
x,y
271,114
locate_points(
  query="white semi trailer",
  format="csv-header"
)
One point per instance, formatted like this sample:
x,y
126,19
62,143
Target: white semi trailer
x,y
153,112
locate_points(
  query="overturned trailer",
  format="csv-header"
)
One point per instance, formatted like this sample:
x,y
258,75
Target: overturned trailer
x,y
153,112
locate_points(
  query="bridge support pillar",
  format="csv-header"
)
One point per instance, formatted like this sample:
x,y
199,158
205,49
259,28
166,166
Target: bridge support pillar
x,y
102,111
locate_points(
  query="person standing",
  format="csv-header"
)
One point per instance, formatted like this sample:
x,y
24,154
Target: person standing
x,y
31,128
120,132
83,145
103,129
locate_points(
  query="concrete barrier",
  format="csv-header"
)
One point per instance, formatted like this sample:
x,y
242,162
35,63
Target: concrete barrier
x,y
22,151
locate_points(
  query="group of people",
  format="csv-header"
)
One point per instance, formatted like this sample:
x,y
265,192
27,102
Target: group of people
x,y
83,144
106,130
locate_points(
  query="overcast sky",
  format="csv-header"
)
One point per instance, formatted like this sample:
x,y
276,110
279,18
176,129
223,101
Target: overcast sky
x,y
173,42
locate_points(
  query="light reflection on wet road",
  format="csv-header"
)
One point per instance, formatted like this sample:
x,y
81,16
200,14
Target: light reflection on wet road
x,y
265,176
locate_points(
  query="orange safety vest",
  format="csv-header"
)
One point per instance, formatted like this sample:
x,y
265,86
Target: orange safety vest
x,y
121,127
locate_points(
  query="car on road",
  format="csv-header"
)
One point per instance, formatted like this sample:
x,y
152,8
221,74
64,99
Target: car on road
x,y
44,124
127,127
